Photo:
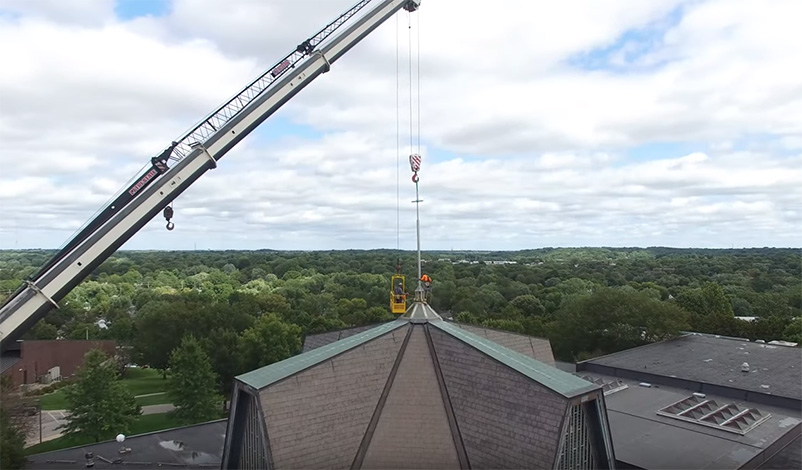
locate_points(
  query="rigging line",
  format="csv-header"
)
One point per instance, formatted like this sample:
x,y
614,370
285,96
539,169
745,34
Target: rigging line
x,y
418,73
411,138
397,140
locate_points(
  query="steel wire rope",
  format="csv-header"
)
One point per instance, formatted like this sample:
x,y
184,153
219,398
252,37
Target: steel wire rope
x,y
397,142
417,72
411,121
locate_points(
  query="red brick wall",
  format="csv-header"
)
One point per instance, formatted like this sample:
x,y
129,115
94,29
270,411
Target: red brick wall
x,y
36,357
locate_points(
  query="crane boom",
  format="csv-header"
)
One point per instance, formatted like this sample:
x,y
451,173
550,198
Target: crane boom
x,y
193,155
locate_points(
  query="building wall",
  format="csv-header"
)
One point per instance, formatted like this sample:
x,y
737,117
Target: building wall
x,y
37,357
506,420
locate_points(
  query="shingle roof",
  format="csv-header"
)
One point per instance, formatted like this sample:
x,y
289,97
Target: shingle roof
x,y
415,391
270,374
567,385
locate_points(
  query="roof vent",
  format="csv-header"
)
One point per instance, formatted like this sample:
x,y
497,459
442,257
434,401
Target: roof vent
x,y
745,367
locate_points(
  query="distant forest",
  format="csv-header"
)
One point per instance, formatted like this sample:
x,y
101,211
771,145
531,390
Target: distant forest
x,y
251,308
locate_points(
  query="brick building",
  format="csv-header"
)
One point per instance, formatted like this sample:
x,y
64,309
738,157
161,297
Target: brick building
x,y
33,359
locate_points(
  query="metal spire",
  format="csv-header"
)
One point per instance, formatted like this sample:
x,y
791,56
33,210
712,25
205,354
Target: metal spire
x,y
414,163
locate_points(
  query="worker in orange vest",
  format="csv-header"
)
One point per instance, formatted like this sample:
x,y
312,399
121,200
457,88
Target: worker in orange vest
x,y
427,283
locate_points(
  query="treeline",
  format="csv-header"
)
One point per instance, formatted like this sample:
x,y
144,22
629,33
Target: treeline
x,y
252,308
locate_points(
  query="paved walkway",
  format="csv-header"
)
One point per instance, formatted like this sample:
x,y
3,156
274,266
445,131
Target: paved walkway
x,y
52,419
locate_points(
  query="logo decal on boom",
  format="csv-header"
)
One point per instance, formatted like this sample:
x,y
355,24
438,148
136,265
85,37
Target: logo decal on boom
x,y
141,183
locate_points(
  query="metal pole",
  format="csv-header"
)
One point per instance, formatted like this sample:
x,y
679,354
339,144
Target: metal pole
x,y
417,211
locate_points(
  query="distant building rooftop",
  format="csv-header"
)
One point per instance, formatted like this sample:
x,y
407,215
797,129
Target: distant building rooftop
x,y
648,432
711,364
198,446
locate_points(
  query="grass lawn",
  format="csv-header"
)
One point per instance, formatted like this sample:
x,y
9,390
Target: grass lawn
x,y
53,401
159,399
144,381
145,424
138,381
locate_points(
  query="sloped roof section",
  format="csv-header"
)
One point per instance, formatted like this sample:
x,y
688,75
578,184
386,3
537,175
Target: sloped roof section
x,y
321,339
567,385
536,348
273,373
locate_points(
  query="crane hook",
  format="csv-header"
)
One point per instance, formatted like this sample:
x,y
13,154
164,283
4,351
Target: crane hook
x,y
415,178
168,214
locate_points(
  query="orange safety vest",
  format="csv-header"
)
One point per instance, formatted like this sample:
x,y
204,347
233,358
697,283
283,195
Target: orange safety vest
x,y
426,278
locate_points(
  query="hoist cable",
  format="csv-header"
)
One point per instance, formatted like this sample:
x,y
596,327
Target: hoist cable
x,y
397,141
411,129
418,73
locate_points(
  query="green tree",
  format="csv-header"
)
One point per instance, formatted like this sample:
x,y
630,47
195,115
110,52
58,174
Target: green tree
x,y
193,382
793,332
613,319
269,340
12,431
528,305
98,404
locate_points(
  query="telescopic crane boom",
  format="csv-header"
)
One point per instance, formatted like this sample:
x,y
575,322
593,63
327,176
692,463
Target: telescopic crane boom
x,y
183,162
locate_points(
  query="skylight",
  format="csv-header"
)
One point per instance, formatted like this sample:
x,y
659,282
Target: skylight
x,y
609,387
707,412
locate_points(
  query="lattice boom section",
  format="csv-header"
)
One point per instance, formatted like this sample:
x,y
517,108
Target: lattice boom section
x,y
728,417
220,117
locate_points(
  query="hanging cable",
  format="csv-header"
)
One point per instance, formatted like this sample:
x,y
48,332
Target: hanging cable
x,y
397,140
417,68
411,135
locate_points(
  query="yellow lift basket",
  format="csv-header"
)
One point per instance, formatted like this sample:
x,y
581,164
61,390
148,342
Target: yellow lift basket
x,y
398,302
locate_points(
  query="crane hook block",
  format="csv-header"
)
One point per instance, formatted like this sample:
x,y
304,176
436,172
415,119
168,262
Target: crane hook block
x,y
168,214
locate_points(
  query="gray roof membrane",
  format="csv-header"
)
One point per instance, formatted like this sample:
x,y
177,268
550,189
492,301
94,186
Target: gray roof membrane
x,y
773,369
197,446
647,439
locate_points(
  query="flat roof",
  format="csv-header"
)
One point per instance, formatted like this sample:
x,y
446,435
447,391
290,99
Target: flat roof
x,y
567,385
645,439
272,373
773,369
197,446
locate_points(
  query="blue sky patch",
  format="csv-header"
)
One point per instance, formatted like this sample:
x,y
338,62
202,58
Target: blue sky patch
x,y
662,150
130,9
633,45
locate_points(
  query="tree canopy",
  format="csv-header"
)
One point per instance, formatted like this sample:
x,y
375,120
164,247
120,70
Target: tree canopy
x,y
250,308
99,406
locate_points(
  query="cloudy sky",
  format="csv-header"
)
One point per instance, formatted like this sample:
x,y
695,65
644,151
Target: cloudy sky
x,y
570,123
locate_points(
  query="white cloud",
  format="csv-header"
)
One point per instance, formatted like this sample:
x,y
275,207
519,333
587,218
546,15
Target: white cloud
x,y
522,147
